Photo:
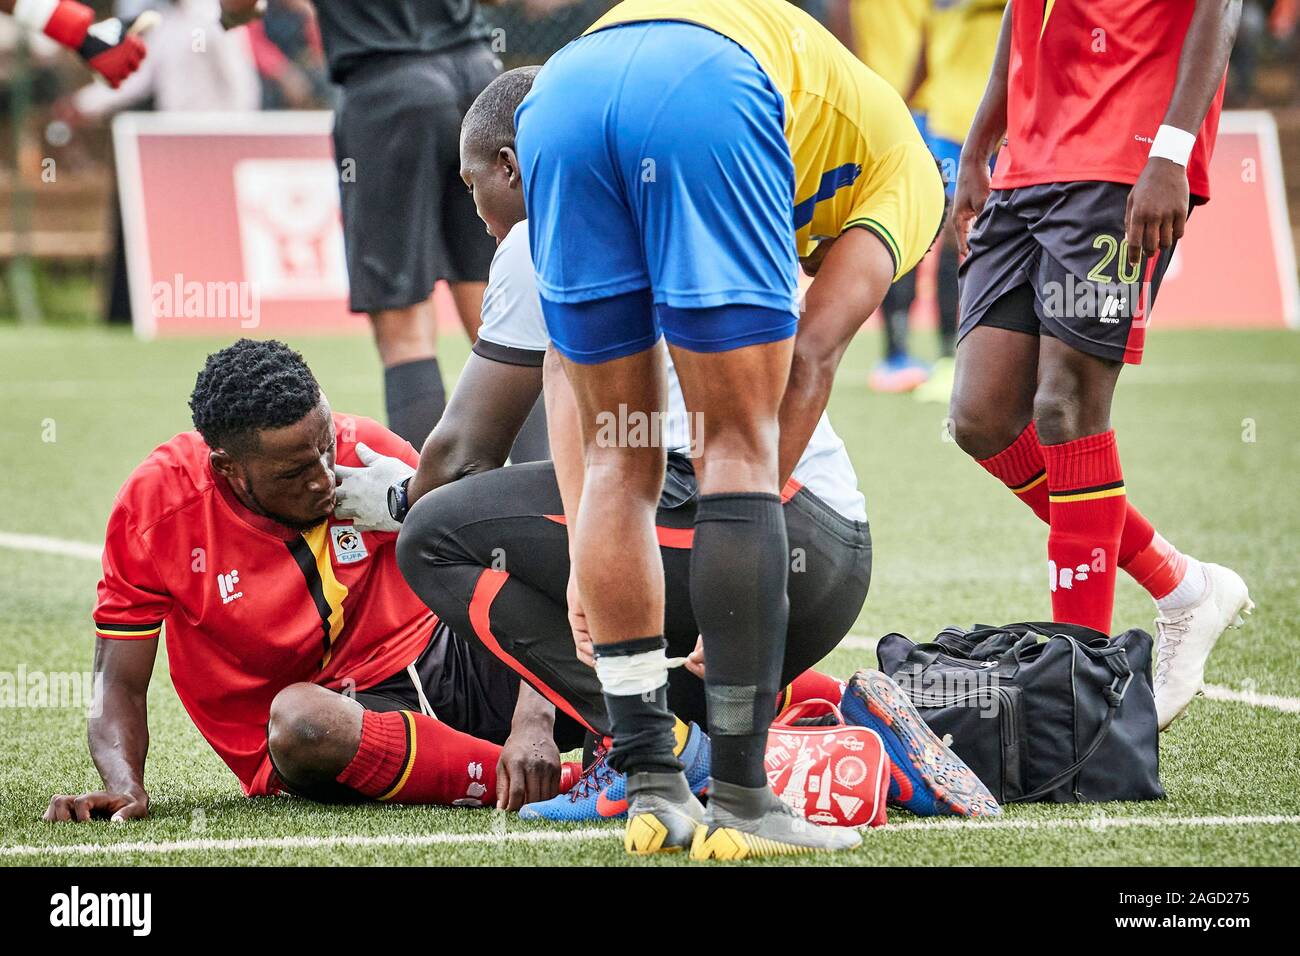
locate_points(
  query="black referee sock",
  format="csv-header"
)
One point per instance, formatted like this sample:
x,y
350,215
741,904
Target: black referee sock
x,y
896,307
414,398
739,566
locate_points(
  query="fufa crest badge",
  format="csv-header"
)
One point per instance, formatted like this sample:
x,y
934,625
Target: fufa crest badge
x,y
349,546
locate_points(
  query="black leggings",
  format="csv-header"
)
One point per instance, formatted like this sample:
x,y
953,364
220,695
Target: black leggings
x,y
489,554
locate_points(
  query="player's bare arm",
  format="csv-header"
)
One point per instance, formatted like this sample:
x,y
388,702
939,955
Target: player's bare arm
x,y
984,139
111,47
119,736
489,406
1158,204
851,276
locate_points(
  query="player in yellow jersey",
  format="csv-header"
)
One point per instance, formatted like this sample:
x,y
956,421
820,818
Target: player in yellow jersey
x,y
677,161
961,37
885,35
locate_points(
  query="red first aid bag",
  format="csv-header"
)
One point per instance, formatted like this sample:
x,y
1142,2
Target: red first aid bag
x,y
832,774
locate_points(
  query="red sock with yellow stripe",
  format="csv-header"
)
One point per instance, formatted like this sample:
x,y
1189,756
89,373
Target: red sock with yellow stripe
x,y
1086,513
405,757
1148,558
1021,467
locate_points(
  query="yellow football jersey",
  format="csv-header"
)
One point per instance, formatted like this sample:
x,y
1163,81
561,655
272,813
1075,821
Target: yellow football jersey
x,y
887,37
961,38
858,158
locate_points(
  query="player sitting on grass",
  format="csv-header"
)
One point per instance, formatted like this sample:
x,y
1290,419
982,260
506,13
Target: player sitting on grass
x,y
489,552
293,642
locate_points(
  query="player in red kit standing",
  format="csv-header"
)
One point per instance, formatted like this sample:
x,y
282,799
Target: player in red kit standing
x,y
1109,110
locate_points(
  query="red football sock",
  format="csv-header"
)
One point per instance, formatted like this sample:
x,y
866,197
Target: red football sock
x,y
1021,467
1151,560
1087,512
810,685
406,757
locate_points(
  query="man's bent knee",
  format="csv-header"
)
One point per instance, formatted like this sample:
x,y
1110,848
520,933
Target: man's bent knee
x,y
312,733
982,432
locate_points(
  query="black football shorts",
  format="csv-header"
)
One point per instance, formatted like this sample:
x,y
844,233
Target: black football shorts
x,y
408,219
1052,260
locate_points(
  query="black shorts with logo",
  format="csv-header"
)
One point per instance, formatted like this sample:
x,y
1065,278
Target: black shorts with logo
x,y
1052,260
408,219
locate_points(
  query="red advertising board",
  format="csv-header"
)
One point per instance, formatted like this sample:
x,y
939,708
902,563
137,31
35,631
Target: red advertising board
x,y
232,227
232,224
1235,266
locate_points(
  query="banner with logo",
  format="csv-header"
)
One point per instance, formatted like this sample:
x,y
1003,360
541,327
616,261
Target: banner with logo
x,y
232,224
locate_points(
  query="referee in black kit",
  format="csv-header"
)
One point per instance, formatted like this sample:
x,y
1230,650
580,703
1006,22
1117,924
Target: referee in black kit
x,y
407,70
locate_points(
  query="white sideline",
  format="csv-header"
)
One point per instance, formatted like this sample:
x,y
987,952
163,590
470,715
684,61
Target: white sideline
x,y
91,552
1288,705
40,543
605,833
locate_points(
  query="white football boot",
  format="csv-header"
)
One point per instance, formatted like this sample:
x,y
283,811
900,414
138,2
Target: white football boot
x,y
1186,636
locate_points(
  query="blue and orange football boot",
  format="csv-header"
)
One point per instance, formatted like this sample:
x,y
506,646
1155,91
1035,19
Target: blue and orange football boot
x,y
925,777
601,792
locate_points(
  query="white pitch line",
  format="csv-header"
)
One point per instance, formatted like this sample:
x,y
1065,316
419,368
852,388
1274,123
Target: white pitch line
x,y
45,545
311,842
91,552
1095,823
605,833
1288,705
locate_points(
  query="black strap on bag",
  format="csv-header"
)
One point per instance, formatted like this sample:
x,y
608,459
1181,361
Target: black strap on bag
x,y
1113,699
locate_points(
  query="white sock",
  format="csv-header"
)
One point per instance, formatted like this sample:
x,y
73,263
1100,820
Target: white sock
x,y
1191,589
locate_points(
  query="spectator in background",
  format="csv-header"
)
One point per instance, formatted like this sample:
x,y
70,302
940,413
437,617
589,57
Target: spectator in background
x,y
192,66
290,58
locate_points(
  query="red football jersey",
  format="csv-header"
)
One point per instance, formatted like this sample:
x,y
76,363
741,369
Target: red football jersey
x,y
249,605
1088,85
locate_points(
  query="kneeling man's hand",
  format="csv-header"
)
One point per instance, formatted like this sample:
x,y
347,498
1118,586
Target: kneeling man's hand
x,y
362,493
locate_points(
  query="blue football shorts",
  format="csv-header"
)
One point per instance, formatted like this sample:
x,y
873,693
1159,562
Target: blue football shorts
x,y
660,194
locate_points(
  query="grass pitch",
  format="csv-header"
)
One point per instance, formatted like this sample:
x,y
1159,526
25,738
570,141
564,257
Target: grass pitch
x,y
1210,433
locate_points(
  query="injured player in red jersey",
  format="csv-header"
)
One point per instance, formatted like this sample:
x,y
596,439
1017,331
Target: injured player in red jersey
x,y
293,642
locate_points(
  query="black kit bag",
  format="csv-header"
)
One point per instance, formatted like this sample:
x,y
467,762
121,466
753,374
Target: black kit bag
x,y
1040,711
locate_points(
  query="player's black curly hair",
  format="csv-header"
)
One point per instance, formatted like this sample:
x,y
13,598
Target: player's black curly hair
x,y
489,124
249,386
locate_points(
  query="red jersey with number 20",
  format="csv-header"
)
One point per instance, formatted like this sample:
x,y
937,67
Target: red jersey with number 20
x,y
251,606
1088,85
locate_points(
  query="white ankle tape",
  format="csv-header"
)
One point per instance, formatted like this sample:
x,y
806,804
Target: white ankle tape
x,y
632,675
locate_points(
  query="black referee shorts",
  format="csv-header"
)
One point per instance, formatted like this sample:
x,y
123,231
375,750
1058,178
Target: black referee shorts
x,y
489,554
408,219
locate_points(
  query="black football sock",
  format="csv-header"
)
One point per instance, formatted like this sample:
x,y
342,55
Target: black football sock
x,y
414,398
641,723
739,565
532,442
897,305
947,294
